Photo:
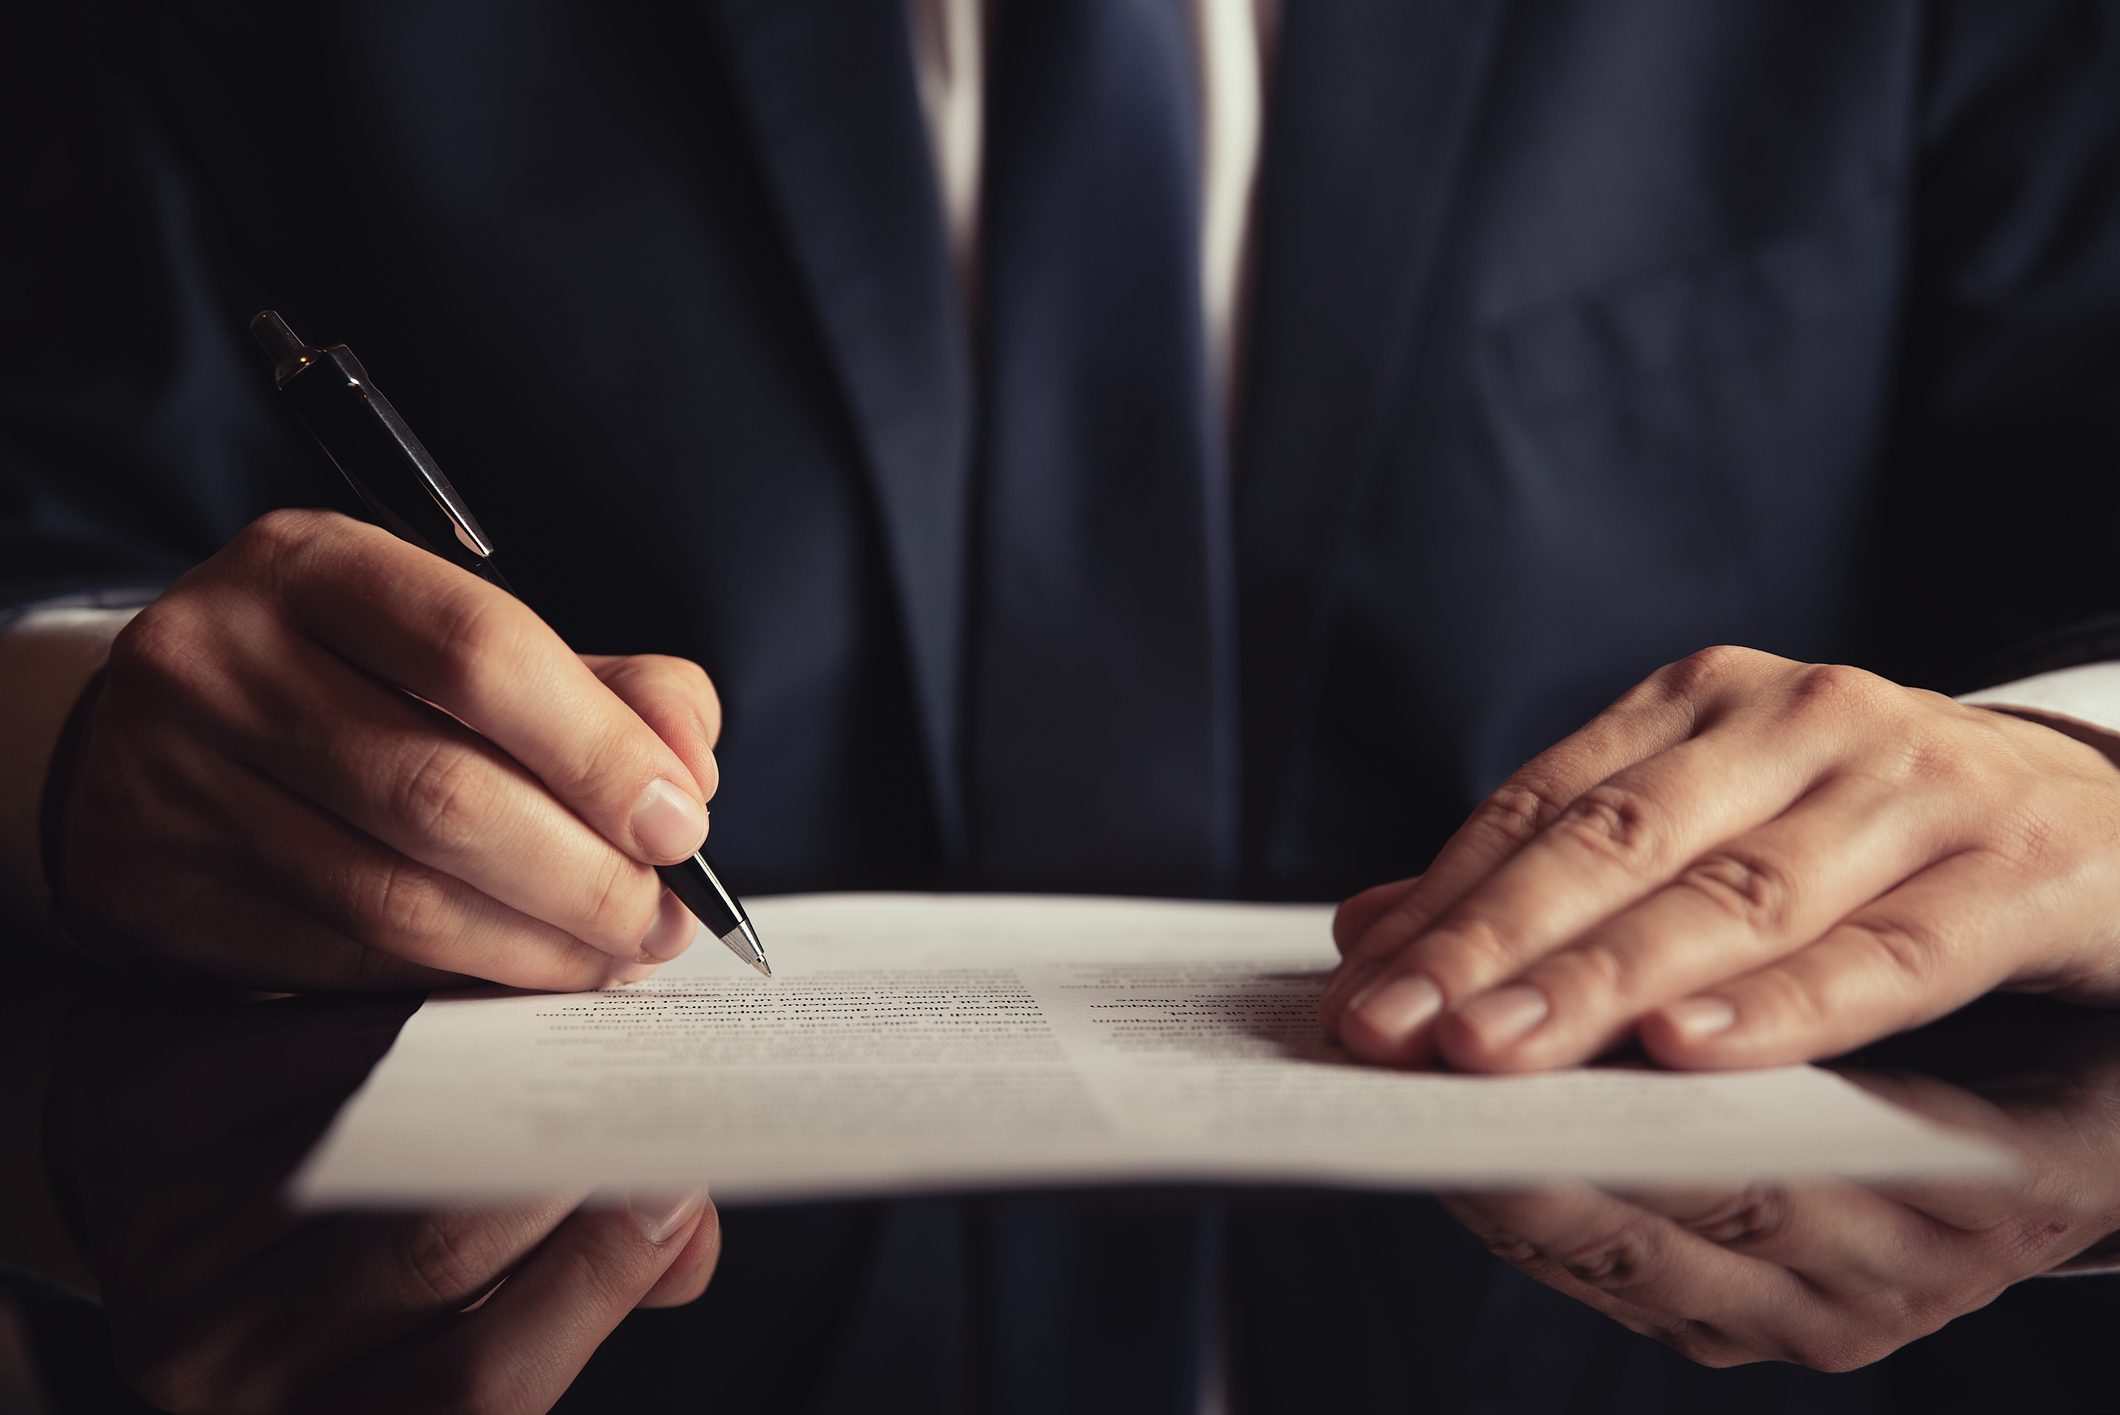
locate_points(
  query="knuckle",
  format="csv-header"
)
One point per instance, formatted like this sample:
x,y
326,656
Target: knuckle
x,y
1702,1344
1404,920
601,1278
1834,1353
1920,1310
1834,690
1704,670
448,797
1589,973
1750,888
281,547
680,675
1614,1261
163,642
1755,1214
1509,1248
1516,811
410,907
1615,822
477,631
1795,996
1464,954
1809,1354
448,1260
1911,949
1915,1311
275,536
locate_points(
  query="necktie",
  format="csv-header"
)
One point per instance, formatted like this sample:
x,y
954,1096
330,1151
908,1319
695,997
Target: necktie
x,y
1101,739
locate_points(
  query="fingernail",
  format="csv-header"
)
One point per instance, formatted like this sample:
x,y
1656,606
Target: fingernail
x,y
667,822
1398,1008
630,973
670,934
660,1215
1698,1017
1501,1016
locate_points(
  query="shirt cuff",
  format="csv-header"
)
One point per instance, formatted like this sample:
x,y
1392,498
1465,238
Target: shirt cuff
x,y
2087,695
116,596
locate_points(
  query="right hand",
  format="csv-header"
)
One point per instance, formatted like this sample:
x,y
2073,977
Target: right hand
x,y
329,759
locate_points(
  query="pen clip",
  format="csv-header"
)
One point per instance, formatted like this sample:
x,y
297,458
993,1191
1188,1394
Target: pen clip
x,y
394,475
462,524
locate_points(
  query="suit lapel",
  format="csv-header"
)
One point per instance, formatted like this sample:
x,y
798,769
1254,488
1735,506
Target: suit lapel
x,y
837,127
1371,110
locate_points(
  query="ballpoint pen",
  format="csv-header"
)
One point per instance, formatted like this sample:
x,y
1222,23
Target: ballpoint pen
x,y
408,496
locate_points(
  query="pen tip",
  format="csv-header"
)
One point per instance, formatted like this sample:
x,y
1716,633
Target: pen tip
x,y
758,950
743,942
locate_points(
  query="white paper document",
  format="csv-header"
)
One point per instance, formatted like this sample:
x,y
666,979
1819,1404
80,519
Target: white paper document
x,y
925,1042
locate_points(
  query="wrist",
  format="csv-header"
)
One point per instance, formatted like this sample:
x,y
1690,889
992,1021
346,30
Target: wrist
x,y
2105,741
47,658
2082,702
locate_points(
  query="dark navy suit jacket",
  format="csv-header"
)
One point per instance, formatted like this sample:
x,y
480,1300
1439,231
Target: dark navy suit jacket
x,y
1582,335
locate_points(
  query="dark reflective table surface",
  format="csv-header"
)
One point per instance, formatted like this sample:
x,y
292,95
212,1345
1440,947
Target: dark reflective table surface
x,y
169,1123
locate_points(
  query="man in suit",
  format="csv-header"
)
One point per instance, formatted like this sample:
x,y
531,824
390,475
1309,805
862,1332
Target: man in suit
x,y
1174,448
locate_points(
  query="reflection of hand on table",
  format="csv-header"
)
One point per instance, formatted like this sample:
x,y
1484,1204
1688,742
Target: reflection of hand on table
x,y
1837,1276
175,1128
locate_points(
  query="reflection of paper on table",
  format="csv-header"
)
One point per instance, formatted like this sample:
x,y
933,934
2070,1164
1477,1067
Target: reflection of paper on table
x,y
952,1042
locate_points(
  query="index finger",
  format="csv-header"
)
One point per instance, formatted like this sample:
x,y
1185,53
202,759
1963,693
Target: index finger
x,y
482,656
1652,717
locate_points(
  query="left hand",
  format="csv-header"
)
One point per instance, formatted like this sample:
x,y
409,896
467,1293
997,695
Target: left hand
x,y
1745,861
